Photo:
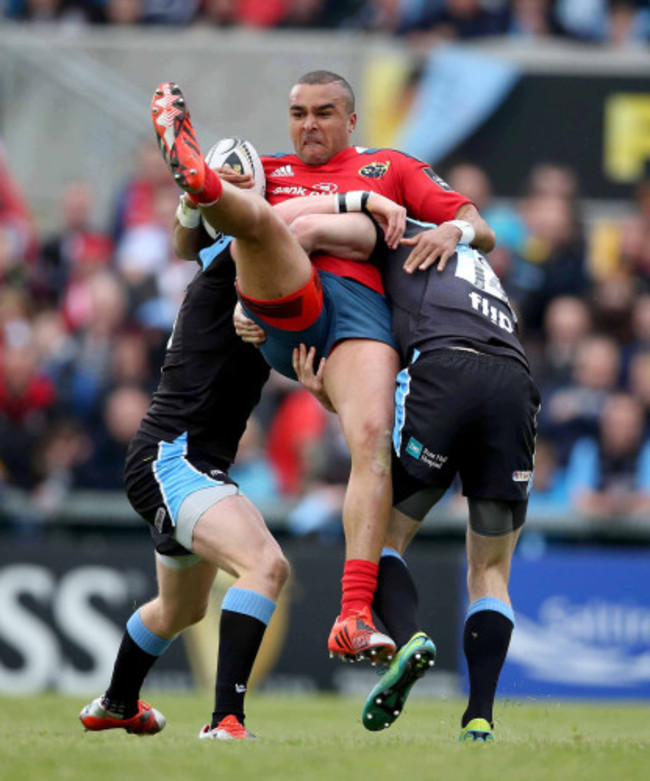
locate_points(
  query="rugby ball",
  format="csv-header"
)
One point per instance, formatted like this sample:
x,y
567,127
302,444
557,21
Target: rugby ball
x,y
242,157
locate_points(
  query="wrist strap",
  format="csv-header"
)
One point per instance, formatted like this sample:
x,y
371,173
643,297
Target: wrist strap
x,y
186,216
354,201
467,232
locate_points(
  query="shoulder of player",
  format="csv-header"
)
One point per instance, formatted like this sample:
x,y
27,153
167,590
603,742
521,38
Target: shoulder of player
x,y
386,153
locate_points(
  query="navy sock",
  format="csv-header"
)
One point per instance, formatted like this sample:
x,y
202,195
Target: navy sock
x,y
396,598
139,650
131,667
244,617
240,637
485,643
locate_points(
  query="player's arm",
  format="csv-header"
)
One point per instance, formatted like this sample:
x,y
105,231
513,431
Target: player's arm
x,y
429,198
390,215
189,235
438,244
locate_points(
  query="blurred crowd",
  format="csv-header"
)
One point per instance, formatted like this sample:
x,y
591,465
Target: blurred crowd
x,y
616,22
85,315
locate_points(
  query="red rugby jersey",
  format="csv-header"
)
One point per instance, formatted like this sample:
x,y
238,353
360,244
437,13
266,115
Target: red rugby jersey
x,y
404,179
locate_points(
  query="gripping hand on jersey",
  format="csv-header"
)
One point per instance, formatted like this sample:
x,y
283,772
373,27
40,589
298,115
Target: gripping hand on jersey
x,y
246,329
303,365
429,247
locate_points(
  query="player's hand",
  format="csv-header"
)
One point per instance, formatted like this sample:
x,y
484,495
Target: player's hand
x,y
246,329
303,365
429,247
228,174
391,216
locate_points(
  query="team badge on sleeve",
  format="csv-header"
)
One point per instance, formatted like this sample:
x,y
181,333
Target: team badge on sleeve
x,y
375,170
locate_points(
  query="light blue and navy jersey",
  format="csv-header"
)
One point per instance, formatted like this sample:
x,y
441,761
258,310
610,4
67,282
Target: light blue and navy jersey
x,y
210,379
462,306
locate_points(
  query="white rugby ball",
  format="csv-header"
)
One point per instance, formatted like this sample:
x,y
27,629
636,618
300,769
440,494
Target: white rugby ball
x,y
242,157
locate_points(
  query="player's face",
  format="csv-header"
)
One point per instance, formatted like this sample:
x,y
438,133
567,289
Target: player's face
x,y
319,121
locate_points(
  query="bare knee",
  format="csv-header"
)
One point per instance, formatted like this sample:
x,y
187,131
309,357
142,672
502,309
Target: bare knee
x,y
369,444
168,618
274,568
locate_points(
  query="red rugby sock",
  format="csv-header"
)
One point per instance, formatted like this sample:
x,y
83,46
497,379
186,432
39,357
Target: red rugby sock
x,y
359,583
211,191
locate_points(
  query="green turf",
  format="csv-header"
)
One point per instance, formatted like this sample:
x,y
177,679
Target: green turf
x,y
322,738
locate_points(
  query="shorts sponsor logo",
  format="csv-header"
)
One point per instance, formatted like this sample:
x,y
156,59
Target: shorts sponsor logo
x,y
217,474
421,453
375,170
521,476
240,688
159,519
414,448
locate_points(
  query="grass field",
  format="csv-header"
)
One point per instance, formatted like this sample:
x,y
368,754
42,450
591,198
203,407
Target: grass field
x,y
322,738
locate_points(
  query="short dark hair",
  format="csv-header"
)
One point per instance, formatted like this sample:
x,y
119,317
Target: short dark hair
x,y
328,77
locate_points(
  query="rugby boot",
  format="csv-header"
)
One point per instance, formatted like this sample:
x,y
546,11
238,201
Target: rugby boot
x,y
476,731
229,728
147,721
176,137
386,701
356,637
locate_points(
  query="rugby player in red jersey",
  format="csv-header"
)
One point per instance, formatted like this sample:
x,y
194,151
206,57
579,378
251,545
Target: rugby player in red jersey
x,y
328,303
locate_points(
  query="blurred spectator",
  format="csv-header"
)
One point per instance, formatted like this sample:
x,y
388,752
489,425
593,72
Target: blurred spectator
x,y
608,475
634,241
612,302
143,255
639,342
553,259
305,13
90,370
122,412
176,12
548,496
567,322
465,19
320,510
533,19
18,237
508,225
638,383
124,12
252,470
27,405
135,203
573,410
74,243
294,433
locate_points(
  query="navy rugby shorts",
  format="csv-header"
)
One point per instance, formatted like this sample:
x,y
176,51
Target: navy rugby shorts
x,y
465,413
171,489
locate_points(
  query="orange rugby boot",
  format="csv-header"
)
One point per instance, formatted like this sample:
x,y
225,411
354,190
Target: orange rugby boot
x,y
356,638
147,721
176,137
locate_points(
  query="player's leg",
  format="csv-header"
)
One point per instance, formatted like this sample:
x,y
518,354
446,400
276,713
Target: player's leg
x,y
233,535
359,379
396,604
184,585
270,262
494,529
